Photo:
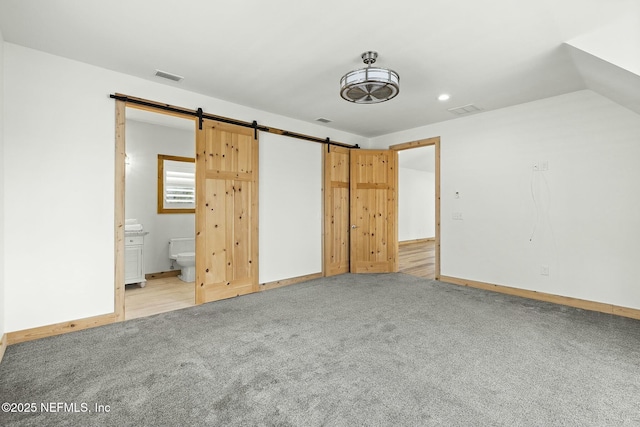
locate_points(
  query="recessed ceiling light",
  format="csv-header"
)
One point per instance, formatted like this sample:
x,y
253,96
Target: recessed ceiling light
x,y
444,97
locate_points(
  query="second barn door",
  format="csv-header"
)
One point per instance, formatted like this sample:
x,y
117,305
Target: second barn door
x,y
373,211
226,211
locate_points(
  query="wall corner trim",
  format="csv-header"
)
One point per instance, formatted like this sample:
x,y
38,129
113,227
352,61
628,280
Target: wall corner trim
x,y
541,296
58,328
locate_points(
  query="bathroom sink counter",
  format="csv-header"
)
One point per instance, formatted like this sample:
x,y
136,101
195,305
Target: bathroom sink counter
x,y
134,257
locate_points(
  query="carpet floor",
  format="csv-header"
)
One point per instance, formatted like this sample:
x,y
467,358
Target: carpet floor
x,y
350,350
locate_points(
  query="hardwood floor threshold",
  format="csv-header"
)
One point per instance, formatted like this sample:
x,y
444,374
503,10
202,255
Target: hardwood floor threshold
x,y
411,242
158,296
542,296
59,328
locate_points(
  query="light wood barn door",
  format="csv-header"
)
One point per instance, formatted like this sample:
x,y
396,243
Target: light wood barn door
x,y
374,230
336,207
226,211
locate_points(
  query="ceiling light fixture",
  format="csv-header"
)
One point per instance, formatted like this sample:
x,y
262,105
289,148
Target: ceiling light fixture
x,y
444,97
369,85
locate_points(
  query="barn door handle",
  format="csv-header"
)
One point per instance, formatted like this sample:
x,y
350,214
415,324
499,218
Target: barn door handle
x,y
354,226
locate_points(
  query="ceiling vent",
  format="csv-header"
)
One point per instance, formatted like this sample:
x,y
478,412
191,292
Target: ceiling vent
x,y
323,120
169,76
464,110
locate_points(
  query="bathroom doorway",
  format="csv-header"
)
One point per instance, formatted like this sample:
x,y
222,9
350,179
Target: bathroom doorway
x,y
159,148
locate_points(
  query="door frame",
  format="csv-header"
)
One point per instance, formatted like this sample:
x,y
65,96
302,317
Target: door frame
x,y
119,191
435,141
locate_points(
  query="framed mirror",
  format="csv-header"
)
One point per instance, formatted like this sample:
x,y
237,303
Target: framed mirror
x,y
176,184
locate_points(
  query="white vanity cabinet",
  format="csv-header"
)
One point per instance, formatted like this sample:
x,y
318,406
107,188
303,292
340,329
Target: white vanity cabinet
x,y
134,259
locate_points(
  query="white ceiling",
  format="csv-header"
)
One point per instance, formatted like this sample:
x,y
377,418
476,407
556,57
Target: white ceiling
x,y
287,56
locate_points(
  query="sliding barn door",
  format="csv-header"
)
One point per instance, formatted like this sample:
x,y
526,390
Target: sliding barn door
x,y
374,230
226,211
336,211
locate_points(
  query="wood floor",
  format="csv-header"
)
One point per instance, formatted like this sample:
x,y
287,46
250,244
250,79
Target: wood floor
x,y
158,296
418,259
168,294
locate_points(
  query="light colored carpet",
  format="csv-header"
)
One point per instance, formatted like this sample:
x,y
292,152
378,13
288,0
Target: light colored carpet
x,y
384,349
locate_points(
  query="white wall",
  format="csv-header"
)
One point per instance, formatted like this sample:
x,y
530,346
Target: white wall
x,y
59,133
290,207
587,205
144,141
416,204
2,223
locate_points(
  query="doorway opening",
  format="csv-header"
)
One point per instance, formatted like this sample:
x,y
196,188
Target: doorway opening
x,y
154,153
419,207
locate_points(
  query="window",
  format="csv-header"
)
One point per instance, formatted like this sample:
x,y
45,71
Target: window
x,y
176,184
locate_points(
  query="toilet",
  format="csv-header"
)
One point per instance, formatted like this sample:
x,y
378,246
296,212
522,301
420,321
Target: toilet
x,y
183,251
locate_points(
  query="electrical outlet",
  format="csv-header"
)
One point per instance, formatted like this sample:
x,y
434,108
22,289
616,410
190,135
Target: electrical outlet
x,y
457,216
544,270
544,165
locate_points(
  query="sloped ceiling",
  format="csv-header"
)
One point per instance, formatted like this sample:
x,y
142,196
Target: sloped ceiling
x,y
287,56
609,60
607,79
